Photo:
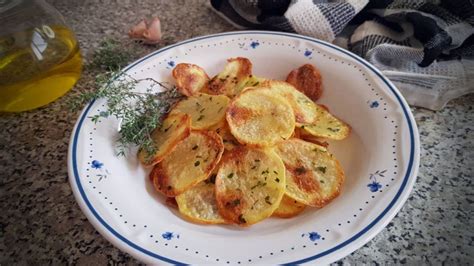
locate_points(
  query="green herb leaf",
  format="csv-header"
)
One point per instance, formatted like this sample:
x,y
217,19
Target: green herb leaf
x,y
321,169
267,200
139,113
110,55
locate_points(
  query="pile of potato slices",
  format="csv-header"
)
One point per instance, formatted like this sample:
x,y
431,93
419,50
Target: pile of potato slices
x,y
240,148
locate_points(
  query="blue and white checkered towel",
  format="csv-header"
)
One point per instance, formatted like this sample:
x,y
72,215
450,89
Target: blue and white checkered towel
x,y
425,47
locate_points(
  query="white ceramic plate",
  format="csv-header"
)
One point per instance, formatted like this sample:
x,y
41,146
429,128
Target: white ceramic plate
x,y
380,159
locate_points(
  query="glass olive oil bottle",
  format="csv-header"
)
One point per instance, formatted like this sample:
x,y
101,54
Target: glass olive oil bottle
x,y
39,55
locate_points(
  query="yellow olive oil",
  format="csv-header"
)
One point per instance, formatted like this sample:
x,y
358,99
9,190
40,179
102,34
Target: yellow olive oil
x,y
37,66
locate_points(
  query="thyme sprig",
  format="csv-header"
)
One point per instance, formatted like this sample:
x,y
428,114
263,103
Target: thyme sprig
x,y
139,113
110,55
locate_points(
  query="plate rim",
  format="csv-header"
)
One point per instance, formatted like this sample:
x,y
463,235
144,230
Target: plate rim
x,y
339,251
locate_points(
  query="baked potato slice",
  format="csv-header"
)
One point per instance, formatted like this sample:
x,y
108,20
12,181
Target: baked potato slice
x,y
198,204
233,78
304,135
260,117
314,176
327,126
190,79
189,163
304,108
250,184
175,127
307,79
228,139
249,82
205,110
288,208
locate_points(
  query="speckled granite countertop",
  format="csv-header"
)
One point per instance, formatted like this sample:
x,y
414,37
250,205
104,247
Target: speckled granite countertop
x,y
42,224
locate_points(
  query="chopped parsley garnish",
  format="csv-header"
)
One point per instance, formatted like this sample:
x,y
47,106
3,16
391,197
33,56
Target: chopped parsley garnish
x,y
259,184
200,118
321,169
267,200
195,147
197,163
230,175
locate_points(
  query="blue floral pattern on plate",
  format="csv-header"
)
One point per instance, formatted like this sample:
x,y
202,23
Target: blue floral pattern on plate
x,y
313,236
374,186
254,44
103,173
169,235
373,104
170,64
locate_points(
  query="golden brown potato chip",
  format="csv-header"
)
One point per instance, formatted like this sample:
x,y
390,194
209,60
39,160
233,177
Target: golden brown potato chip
x,y
189,163
249,82
327,126
190,79
249,185
227,138
198,204
314,176
304,108
304,135
205,110
288,208
232,79
307,79
260,117
174,128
